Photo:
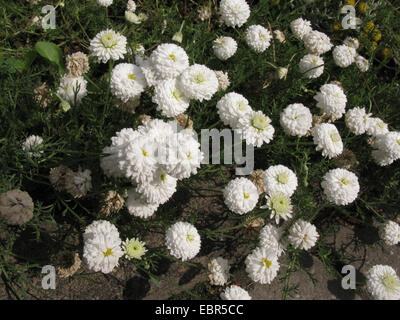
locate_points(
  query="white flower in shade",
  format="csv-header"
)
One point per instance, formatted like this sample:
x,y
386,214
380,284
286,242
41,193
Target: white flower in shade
x,y
331,100
357,120
134,248
234,12
160,189
223,80
383,283
240,195
105,3
148,70
280,179
303,235
317,42
300,28
16,207
389,145
296,120
376,127
340,186
31,145
139,207
311,66
280,206
79,183
390,233
198,82
102,246
108,45
352,42
362,63
231,107
169,99
169,60
258,38
328,140
131,6
204,13
256,128
344,55
218,269
234,292
224,47
381,158
262,265
183,241
279,35
127,81
271,238
132,17
72,89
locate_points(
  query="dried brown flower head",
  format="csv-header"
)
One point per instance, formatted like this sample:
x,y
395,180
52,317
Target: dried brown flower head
x,y
257,178
346,159
112,202
77,64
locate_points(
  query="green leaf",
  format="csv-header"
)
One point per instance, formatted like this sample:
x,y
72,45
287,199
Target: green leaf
x,y
51,52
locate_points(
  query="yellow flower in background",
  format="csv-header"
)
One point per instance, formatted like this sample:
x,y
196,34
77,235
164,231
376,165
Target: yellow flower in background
x,y
369,27
373,46
387,53
363,7
337,26
275,2
350,2
376,35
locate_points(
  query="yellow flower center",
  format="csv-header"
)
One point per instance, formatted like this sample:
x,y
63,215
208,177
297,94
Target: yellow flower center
x,y
107,253
177,94
282,178
259,122
199,78
172,56
242,106
189,237
390,282
109,40
189,156
335,137
163,177
131,76
266,262
246,195
145,153
345,181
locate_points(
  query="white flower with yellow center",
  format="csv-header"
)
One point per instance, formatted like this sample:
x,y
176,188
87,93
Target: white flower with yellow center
x,y
362,63
102,246
383,283
357,120
183,241
376,127
352,42
158,190
127,81
224,47
340,186
231,107
240,195
234,12
327,138
169,99
256,128
331,100
134,248
234,292
296,119
169,61
108,45
312,66
344,55
303,235
317,42
300,28
390,233
198,82
387,148
258,38
262,265
280,206
280,179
